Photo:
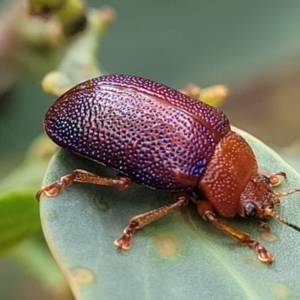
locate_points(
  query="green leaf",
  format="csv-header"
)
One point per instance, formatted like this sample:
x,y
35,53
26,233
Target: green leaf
x,y
179,256
19,210
19,218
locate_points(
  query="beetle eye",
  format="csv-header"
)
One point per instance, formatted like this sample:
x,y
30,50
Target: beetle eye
x,y
250,210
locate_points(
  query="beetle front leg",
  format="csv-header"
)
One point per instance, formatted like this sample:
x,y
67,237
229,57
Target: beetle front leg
x,y
205,209
51,190
139,221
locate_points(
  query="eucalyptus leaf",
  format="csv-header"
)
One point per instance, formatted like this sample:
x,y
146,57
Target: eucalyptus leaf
x,y
179,256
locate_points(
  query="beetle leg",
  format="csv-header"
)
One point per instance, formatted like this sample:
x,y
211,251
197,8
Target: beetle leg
x,y
205,209
51,190
275,179
139,221
264,226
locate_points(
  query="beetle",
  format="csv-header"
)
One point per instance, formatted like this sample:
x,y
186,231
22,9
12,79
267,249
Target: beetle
x,y
156,136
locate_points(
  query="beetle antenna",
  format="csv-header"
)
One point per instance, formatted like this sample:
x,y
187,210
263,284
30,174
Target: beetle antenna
x,y
273,214
287,193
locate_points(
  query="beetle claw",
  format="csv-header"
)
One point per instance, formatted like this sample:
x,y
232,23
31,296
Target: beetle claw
x,y
55,188
123,242
262,253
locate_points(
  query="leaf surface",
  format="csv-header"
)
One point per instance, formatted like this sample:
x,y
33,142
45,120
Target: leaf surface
x,y
179,256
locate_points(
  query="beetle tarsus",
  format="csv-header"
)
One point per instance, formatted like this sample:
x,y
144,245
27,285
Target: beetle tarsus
x,y
139,221
275,179
53,189
124,242
206,210
262,253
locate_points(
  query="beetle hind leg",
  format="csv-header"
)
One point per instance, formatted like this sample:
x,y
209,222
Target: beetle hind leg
x,y
51,190
205,209
139,221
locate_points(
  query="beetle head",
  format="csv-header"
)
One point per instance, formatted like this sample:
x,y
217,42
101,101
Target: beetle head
x,y
259,199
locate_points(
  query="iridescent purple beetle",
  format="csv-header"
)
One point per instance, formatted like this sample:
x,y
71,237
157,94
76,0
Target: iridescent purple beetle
x,y
156,136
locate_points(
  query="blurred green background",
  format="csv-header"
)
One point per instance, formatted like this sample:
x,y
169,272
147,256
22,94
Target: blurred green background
x,y
251,46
